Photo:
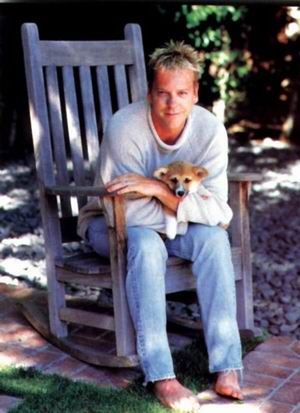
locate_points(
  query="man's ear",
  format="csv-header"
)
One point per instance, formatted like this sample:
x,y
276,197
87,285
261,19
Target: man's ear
x,y
196,92
200,172
160,172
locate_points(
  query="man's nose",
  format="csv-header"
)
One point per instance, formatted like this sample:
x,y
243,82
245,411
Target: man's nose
x,y
171,100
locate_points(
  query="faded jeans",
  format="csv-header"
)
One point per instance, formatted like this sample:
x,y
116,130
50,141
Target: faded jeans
x,y
207,247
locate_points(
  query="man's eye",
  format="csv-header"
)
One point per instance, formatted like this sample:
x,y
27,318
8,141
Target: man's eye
x,y
187,180
174,180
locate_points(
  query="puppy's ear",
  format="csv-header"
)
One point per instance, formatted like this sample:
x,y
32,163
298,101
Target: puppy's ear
x,y
200,172
160,172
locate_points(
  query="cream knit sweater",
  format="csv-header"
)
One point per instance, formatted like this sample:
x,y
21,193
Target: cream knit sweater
x,y
131,144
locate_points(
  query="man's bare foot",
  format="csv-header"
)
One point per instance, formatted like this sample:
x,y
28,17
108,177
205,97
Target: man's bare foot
x,y
227,384
172,394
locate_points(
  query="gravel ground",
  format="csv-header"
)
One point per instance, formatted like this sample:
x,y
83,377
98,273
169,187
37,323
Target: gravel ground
x,y
275,231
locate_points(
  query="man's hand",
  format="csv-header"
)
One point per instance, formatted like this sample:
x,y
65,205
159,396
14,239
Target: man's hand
x,y
144,186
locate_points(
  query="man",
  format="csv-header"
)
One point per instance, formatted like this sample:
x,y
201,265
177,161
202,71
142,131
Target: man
x,y
140,138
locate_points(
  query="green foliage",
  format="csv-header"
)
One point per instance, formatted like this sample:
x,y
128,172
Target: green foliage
x,y
219,33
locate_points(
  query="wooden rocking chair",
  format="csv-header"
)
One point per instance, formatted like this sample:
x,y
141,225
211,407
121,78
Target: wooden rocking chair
x,y
73,89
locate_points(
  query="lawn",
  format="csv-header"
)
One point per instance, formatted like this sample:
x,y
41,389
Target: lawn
x,y
55,394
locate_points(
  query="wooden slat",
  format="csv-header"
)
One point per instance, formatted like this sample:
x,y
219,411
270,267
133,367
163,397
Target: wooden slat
x,y
92,53
88,263
102,281
58,135
78,190
87,318
91,133
73,125
244,176
44,166
137,71
104,95
115,217
240,237
121,85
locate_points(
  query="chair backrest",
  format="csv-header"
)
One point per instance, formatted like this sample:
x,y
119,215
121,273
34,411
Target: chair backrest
x,y
73,89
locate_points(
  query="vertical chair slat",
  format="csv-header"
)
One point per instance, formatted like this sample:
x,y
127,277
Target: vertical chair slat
x,y
137,71
44,164
104,94
57,134
74,128
121,85
89,114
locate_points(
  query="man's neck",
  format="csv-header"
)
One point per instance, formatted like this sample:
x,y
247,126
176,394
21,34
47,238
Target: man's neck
x,y
167,135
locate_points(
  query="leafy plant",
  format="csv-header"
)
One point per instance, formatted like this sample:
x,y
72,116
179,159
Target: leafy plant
x,y
219,32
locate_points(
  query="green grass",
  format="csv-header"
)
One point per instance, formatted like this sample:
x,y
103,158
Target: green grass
x,y
55,394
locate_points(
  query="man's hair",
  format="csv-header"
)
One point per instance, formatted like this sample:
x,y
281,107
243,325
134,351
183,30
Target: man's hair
x,y
175,55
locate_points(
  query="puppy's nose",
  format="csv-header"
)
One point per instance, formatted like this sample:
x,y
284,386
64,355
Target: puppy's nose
x,y
180,193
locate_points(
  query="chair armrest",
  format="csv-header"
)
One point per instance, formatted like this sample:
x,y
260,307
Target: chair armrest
x,y
98,191
244,177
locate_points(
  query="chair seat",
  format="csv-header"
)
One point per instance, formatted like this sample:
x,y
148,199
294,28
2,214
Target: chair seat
x,y
88,268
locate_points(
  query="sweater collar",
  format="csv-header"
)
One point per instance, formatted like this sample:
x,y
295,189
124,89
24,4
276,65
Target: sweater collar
x,y
180,141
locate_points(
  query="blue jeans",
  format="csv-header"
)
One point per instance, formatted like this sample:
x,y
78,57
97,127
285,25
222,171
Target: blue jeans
x,y
208,249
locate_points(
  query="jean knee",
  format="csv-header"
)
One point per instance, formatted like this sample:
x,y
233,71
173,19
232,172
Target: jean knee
x,y
146,243
209,240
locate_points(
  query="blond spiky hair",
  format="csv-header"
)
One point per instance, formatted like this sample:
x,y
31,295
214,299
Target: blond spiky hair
x,y
175,55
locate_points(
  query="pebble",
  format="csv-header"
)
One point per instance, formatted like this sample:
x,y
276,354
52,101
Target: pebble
x,y
275,234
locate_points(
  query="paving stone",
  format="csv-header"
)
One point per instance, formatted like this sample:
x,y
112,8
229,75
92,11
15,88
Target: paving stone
x,y
260,379
296,347
276,359
94,376
289,393
42,360
8,402
19,335
295,378
68,367
263,367
272,406
15,356
255,392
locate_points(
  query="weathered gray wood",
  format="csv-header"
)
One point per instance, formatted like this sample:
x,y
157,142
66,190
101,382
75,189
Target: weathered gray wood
x,y
244,176
90,123
240,236
114,212
104,95
44,166
90,351
55,115
137,71
87,318
121,85
99,280
72,118
91,53
78,191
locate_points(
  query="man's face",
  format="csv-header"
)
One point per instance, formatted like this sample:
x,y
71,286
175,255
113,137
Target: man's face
x,y
172,96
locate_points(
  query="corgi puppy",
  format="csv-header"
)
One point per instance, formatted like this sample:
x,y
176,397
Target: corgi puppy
x,y
182,178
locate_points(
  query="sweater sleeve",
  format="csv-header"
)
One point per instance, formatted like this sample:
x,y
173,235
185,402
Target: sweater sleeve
x,y
209,204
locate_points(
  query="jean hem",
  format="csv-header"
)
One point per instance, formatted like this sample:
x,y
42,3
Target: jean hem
x,y
225,369
153,380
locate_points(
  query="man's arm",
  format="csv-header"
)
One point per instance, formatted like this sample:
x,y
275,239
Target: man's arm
x,y
148,187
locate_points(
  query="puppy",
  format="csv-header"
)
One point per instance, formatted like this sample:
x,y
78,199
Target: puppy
x,y
182,178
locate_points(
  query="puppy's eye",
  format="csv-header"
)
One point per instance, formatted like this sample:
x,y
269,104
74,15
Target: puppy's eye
x,y
174,180
187,180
